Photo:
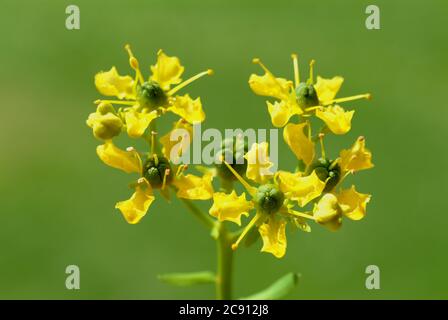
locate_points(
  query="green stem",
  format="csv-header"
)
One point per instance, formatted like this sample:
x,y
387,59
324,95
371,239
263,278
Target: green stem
x,y
225,264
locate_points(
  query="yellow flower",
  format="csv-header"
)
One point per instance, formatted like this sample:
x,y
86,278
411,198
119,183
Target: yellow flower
x,y
357,157
337,119
104,122
230,207
155,173
332,207
145,100
303,98
258,163
272,201
300,144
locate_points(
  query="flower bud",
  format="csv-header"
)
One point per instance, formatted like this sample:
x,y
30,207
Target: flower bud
x,y
105,126
234,150
328,212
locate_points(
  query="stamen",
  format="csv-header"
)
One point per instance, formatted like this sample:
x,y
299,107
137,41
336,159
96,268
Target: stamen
x,y
153,142
343,178
311,79
300,214
322,148
258,61
295,61
367,96
134,65
167,172
246,230
181,169
312,108
124,102
246,185
156,159
334,163
209,72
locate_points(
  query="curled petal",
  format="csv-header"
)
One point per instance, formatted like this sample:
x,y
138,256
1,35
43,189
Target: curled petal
x,y
328,88
110,83
128,161
230,207
353,203
192,187
138,122
135,208
357,157
300,144
282,111
328,213
270,86
298,188
187,108
258,163
177,141
273,234
337,119
167,71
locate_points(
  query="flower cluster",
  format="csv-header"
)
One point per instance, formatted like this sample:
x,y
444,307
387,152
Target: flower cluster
x,y
312,191
140,102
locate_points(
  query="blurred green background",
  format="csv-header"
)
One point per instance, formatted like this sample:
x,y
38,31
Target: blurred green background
x,y
57,198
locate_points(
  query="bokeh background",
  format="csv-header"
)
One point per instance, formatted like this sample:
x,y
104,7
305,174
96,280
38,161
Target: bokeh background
x,y
57,198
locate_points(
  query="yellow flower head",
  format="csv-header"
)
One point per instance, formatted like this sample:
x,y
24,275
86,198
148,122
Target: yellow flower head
x,y
271,199
145,100
303,98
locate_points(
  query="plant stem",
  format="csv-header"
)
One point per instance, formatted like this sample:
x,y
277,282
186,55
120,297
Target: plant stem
x,y
225,264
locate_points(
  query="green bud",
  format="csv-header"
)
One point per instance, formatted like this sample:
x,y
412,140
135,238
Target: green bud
x,y
154,171
107,126
306,95
269,198
324,169
151,95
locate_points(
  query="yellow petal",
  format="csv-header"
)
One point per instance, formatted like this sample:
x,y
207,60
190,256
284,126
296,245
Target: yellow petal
x,y
298,141
353,203
167,71
282,111
187,108
336,118
357,157
298,188
270,86
258,163
128,161
110,83
138,122
192,187
136,207
230,207
328,213
273,234
327,88
180,136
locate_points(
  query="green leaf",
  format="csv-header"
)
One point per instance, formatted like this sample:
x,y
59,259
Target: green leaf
x,y
278,289
189,278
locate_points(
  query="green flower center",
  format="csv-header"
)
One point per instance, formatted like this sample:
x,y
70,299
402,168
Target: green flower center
x,y
269,198
306,95
155,170
151,95
326,169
